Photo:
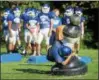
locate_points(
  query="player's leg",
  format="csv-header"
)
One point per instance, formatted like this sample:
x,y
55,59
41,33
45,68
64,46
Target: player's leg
x,y
34,44
18,42
47,38
14,44
34,49
39,41
6,36
27,38
77,45
11,44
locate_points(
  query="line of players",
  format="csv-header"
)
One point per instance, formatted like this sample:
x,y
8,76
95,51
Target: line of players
x,y
37,25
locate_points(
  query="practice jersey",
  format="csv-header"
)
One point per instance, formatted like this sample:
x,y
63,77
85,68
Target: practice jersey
x,y
5,23
32,22
44,20
14,20
56,22
66,20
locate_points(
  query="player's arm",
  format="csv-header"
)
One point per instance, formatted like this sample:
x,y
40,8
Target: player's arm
x,y
51,27
59,32
9,27
10,19
27,26
82,28
70,56
19,26
38,27
38,24
68,59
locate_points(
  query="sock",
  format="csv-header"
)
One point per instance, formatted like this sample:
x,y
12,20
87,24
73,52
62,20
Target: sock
x,y
24,52
34,52
39,53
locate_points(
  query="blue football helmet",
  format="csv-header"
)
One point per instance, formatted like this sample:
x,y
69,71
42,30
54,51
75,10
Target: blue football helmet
x,y
32,12
6,12
65,51
17,11
78,11
37,12
69,11
45,8
27,9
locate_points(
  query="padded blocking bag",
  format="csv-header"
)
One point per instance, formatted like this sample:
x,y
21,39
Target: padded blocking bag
x,y
72,31
74,67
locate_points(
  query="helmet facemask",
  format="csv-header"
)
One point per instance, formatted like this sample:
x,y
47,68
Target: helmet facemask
x,y
79,13
17,13
6,14
45,9
68,12
31,14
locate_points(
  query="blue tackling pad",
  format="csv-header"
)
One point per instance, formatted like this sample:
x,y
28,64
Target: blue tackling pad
x,y
85,59
13,57
37,59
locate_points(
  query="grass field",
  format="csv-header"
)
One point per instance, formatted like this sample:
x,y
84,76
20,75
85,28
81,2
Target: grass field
x,y
22,70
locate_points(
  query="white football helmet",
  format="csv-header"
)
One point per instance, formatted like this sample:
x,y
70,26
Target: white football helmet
x,y
45,8
31,13
17,12
78,11
69,11
6,13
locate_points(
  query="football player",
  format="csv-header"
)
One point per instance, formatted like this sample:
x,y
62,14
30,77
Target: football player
x,y
14,27
5,24
45,22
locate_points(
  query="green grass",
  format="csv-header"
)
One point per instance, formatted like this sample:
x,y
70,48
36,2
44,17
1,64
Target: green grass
x,y
23,70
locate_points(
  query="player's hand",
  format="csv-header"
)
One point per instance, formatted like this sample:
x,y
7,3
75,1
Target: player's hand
x,y
73,54
64,63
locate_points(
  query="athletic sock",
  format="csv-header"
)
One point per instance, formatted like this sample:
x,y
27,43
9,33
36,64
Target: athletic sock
x,y
24,52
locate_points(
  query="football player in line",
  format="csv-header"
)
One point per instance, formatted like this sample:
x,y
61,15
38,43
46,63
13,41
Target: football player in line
x,y
14,27
5,25
46,24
